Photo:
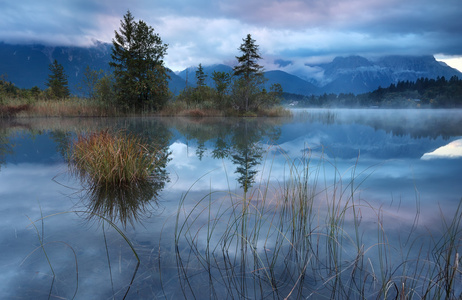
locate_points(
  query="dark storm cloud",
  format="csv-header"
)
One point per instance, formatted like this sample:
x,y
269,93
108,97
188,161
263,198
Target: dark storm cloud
x,y
54,22
206,31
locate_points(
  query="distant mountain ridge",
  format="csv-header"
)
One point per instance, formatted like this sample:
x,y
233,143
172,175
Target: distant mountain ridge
x,y
27,66
356,74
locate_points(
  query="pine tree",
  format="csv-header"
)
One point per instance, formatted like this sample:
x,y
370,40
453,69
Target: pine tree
x,y
247,62
200,82
250,74
200,76
137,59
57,81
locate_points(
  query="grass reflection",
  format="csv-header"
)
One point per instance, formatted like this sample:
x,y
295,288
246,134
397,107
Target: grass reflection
x,y
121,174
127,205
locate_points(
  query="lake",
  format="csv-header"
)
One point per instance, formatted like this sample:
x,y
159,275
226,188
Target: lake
x,y
335,203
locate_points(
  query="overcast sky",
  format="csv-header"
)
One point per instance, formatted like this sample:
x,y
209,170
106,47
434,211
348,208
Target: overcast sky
x,y
290,32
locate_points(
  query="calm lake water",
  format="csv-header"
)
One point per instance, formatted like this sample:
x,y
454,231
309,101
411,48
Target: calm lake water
x,y
380,189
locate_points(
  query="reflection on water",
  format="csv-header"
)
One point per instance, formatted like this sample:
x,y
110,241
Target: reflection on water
x,y
128,204
226,227
451,150
401,122
5,147
236,139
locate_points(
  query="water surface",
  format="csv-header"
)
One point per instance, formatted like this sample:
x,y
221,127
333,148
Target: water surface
x,y
402,169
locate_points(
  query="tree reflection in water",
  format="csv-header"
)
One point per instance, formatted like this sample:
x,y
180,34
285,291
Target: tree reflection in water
x,y
239,140
5,148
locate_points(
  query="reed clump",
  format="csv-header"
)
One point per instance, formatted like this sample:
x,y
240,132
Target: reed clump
x,y
9,111
116,160
66,107
305,238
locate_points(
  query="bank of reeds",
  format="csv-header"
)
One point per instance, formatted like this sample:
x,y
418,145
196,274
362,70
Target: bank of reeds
x,y
82,107
10,111
112,159
69,107
308,238
75,107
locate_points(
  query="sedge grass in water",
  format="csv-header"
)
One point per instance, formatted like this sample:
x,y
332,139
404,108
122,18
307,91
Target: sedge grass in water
x,y
120,174
116,160
306,239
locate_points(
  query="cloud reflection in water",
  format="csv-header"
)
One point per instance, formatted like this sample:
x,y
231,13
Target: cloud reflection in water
x,y
451,150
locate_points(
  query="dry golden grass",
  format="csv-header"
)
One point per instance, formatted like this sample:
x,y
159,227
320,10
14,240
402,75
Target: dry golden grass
x,y
69,107
116,160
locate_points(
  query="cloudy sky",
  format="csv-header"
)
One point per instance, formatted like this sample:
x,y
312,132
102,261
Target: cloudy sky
x,y
289,32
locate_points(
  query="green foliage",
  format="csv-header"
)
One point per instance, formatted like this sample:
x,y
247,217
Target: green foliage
x,y
89,81
248,62
222,81
14,98
7,88
57,82
424,92
201,92
200,76
437,92
104,89
198,97
137,59
35,92
236,95
247,92
247,95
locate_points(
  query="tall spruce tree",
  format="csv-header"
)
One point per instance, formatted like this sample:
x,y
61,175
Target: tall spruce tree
x,y
200,76
137,59
248,70
200,81
247,62
57,81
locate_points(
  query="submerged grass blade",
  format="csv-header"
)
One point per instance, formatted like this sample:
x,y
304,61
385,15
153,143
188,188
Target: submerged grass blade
x,y
114,226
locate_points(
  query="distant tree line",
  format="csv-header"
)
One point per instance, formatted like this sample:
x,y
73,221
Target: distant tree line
x,y
57,86
424,92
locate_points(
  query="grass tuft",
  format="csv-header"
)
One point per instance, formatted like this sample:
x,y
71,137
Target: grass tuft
x,y
115,160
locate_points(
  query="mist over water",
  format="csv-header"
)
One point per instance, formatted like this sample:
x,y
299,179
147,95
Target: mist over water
x,y
403,165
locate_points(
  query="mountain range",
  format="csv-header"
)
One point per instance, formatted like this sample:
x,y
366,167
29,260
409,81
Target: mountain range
x,y
28,65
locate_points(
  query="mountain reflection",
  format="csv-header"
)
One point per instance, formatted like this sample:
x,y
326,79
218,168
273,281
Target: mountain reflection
x,y
415,123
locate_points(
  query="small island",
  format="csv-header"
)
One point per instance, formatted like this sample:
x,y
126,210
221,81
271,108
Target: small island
x,y
138,85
